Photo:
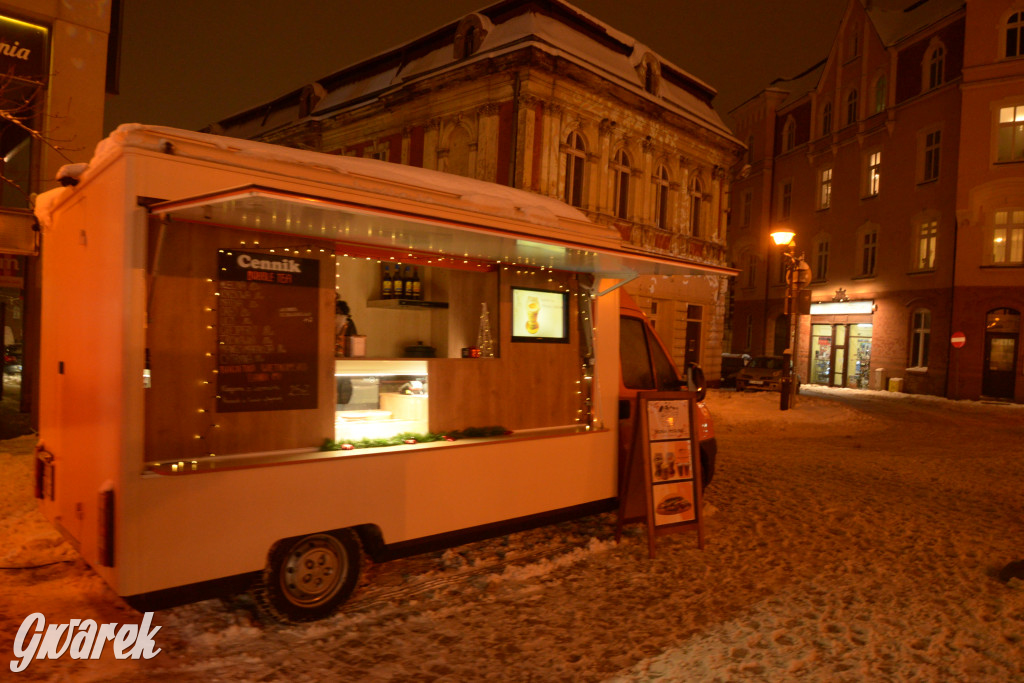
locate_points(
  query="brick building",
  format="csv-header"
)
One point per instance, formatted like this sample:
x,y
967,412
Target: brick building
x,y
896,161
538,95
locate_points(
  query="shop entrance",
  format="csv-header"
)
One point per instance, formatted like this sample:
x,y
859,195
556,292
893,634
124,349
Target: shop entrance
x,y
1001,336
841,355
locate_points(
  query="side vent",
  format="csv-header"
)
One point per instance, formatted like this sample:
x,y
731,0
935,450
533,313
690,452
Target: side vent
x,y
105,538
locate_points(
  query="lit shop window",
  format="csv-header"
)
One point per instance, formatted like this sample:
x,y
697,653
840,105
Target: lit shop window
x,y
1008,238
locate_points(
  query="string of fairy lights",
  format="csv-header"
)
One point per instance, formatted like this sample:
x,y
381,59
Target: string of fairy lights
x,y
209,422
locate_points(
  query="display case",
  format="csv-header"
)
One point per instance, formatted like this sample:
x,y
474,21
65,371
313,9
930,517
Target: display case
x,y
379,399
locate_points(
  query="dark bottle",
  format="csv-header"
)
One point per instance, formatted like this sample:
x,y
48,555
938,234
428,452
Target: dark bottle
x,y
409,282
398,283
417,286
386,291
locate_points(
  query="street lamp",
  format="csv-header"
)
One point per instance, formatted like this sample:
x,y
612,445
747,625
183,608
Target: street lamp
x,y
798,275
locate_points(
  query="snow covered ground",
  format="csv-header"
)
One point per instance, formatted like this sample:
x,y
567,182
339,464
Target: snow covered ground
x,y
854,538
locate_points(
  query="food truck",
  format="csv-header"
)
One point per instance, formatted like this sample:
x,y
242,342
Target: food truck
x,y
238,390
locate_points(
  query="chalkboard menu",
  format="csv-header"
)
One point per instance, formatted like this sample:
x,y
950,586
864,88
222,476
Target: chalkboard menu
x,y
266,332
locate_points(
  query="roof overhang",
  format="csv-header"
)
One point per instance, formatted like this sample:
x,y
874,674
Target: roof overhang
x,y
361,229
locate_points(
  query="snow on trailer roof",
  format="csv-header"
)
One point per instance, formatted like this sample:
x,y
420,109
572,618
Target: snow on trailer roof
x,y
378,204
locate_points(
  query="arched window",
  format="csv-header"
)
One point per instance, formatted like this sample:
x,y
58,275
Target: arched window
x,y
789,134
575,160
1015,35
620,188
935,65
697,208
851,107
881,86
826,119
660,195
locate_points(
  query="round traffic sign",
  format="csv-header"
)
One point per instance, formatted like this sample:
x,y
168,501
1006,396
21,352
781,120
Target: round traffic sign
x,y
958,340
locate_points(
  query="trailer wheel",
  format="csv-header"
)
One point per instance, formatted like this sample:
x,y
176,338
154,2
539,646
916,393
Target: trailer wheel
x,y
308,577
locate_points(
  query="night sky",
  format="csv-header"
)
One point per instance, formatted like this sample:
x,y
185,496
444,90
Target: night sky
x,y
189,63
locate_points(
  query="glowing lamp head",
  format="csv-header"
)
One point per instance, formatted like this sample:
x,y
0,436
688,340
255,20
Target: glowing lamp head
x,y
782,237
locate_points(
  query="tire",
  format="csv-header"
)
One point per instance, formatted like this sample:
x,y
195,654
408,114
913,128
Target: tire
x,y
309,577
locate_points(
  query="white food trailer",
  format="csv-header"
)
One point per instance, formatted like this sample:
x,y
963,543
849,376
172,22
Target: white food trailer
x,y
196,420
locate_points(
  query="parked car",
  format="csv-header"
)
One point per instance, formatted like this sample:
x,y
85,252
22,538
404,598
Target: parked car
x,y
762,372
12,359
732,363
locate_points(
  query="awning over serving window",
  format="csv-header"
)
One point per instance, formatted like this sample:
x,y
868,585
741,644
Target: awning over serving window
x,y
416,231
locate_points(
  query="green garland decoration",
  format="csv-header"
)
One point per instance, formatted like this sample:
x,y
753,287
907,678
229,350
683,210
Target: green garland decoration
x,y
412,437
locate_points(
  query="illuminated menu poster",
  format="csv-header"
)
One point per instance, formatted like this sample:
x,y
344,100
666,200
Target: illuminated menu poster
x,y
266,332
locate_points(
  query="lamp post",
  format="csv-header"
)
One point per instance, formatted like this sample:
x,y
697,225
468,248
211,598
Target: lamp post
x,y
798,275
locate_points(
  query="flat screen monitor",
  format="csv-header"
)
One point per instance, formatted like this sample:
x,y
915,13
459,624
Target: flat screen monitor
x,y
540,315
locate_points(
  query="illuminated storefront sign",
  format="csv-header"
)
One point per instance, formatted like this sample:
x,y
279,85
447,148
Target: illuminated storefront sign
x,y
843,307
23,49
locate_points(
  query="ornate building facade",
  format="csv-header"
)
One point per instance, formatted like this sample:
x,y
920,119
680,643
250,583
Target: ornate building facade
x,y
897,162
538,95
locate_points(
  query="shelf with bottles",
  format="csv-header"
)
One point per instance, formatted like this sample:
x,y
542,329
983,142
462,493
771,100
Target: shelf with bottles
x,y
401,287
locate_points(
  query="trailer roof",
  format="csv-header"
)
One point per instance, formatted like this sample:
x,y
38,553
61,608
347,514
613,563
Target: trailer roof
x,y
382,208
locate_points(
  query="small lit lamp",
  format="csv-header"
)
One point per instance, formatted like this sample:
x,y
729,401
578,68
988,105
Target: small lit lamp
x,y
782,237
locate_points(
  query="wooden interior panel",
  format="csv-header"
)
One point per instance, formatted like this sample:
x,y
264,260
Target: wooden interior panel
x,y
182,422
528,386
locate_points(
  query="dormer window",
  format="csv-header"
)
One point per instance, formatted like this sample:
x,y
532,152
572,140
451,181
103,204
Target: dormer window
x,y
649,70
470,35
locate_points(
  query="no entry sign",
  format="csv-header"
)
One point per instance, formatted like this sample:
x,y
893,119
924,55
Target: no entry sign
x,y
958,340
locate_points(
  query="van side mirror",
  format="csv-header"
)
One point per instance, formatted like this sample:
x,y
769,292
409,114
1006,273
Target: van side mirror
x,y
695,381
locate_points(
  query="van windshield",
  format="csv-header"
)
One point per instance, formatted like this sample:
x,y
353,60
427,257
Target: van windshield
x,y
638,348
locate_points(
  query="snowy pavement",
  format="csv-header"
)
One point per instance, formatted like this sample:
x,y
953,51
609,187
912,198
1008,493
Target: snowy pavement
x,y
854,538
